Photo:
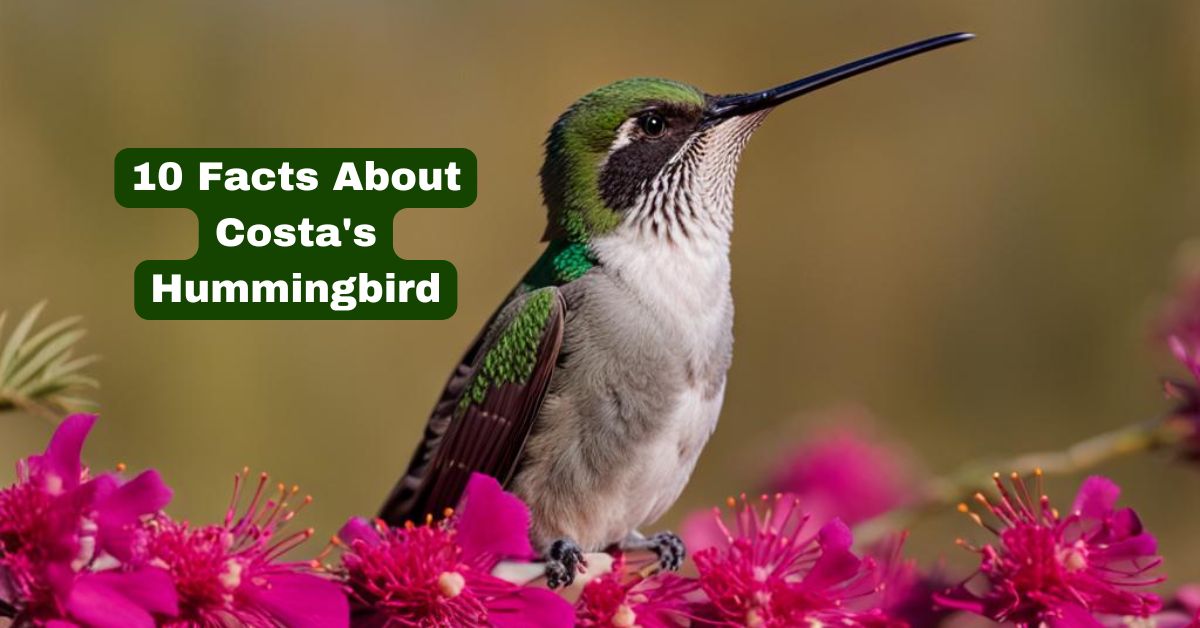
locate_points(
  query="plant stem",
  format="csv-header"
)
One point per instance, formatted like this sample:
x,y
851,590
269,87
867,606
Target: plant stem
x,y
33,407
945,492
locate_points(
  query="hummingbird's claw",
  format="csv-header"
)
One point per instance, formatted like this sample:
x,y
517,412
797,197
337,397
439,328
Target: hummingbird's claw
x,y
670,550
667,547
563,561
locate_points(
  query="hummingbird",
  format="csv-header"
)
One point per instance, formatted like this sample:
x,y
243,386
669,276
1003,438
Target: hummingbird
x,y
595,385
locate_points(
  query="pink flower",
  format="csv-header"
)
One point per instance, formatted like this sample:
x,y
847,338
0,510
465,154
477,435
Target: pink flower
x,y
842,473
439,573
1187,351
1183,611
1187,598
1185,417
232,573
1179,327
623,598
907,593
769,572
1180,314
845,474
65,540
1060,571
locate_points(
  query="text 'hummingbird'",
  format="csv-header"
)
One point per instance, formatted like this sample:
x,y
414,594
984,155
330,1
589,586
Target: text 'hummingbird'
x,y
593,388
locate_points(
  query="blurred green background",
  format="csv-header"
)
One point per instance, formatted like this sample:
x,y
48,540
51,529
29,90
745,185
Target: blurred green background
x,y
970,243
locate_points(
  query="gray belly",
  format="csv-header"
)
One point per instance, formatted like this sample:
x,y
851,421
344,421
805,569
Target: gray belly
x,y
629,409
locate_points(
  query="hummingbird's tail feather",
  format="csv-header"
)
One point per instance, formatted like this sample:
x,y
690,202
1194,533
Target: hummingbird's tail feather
x,y
405,502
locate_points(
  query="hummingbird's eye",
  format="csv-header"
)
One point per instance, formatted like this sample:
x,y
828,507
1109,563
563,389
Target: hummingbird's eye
x,y
652,124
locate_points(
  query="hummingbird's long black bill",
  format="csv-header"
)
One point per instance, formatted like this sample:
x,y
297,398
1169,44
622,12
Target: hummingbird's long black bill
x,y
722,107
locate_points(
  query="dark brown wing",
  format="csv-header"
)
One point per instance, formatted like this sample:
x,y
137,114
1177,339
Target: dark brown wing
x,y
486,432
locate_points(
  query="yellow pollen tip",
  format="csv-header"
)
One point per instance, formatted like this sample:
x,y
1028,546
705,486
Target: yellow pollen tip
x,y
995,475
731,502
1015,476
309,533
447,513
1038,472
121,467
308,499
964,508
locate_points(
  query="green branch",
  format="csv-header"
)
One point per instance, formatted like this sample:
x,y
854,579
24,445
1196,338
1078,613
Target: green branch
x,y
943,493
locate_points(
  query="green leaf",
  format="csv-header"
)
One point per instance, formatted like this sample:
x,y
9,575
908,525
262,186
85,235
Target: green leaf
x,y
42,356
18,338
37,371
49,332
67,366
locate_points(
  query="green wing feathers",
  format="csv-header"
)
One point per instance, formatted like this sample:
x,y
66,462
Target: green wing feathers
x,y
510,360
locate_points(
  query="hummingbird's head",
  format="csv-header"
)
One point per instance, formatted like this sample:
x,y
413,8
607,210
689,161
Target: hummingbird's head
x,y
659,157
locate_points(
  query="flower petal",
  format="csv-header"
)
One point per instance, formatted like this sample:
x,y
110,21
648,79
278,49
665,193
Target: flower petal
x,y
846,473
700,531
1189,596
836,563
123,506
1073,616
59,467
1125,523
1143,547
1190,358
835,535
151,588
528,607
491,522
117,600
143,495
1097,497
960,598
299,600
358,529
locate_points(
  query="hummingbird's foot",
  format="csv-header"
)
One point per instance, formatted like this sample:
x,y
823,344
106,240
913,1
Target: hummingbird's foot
x,y
667,546
670,550
563,561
